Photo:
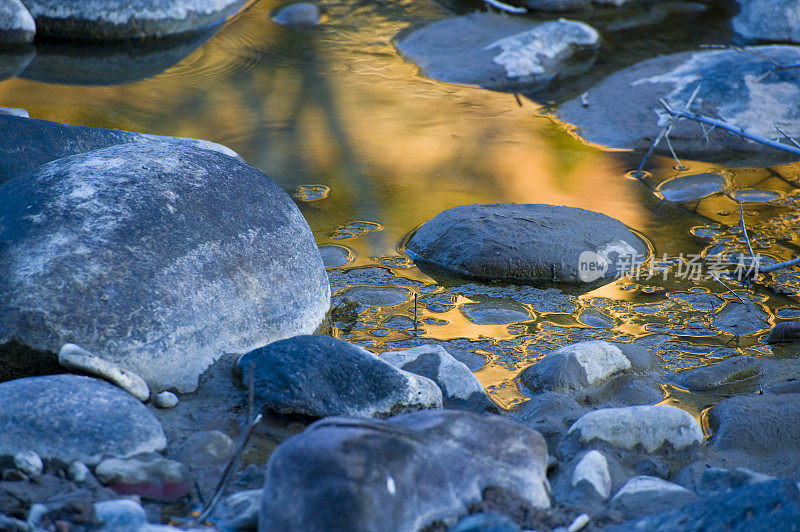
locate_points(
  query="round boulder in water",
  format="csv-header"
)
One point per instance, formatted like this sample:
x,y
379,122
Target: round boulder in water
x,y
154,256
111,19
691,187
525,243
70,417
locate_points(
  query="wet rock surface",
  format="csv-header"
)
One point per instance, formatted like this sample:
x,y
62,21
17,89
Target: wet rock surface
x,y
126,235
16,23
756,423
521,242
768,20
321,376
740,87
106,20
496,51
69,417
442,461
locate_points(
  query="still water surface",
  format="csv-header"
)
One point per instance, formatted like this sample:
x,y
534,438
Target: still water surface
x,y
371,149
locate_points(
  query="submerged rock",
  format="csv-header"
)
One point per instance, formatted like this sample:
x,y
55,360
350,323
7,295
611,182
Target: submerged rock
x,y
322,376
691,187
299,15
497,51
785,331
70,417
16,24
108,19
525,243
135,253
768,20
398,474
574,368
739,86
460,387
756,423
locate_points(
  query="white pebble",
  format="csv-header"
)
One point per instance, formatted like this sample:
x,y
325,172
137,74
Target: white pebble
x,y
166,400
75,357
579,523
78,471
29,463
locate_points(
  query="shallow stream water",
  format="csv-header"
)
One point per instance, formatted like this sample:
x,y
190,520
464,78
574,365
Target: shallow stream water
x,y
371,149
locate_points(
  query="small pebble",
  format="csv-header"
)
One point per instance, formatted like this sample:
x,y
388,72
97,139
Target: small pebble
x,y
78,471
300,15
166,400
579,523
28,462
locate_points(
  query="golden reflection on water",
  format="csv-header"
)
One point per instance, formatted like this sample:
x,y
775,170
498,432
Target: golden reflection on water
x,y
336,106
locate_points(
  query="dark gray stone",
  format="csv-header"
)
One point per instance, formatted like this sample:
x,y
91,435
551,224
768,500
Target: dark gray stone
x,y
108,19
299,15
756,423
741,320
622,111
28,143
120,514
730,371
16,24
521,242
238,511
691,187
785,331
70,417
575,5
321,376
716,480
764,507
134,253
461,389
551,414
205,448
768,20
575,368
150,476
499,52
398,474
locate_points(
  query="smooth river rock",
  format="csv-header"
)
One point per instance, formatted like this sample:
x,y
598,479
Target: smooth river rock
x,y
497,51
150,476
322,376
71,417
27,143
652,428
738,86
757,423
524,243
110,19
575,368
643,495
74,357
727,372
399,474
461,389
154,256
768,20
16,24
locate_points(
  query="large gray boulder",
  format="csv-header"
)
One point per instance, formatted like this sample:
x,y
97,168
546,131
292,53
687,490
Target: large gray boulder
x,y
400,474
71,417
16,24
757,423
111,19
498,51
768,20
739,86
525,243
321,376
27,143
155,256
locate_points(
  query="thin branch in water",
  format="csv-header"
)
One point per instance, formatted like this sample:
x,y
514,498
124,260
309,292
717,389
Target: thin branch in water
x,y
677,113
731,291
779,265
516,97
744,232
656,142
226,475
787,137
674,156
505,7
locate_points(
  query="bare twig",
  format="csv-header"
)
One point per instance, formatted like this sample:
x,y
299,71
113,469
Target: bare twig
x,y
227,473
505,7
674,156
744,232
729,290
787,137
779,265
656,142
683,113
